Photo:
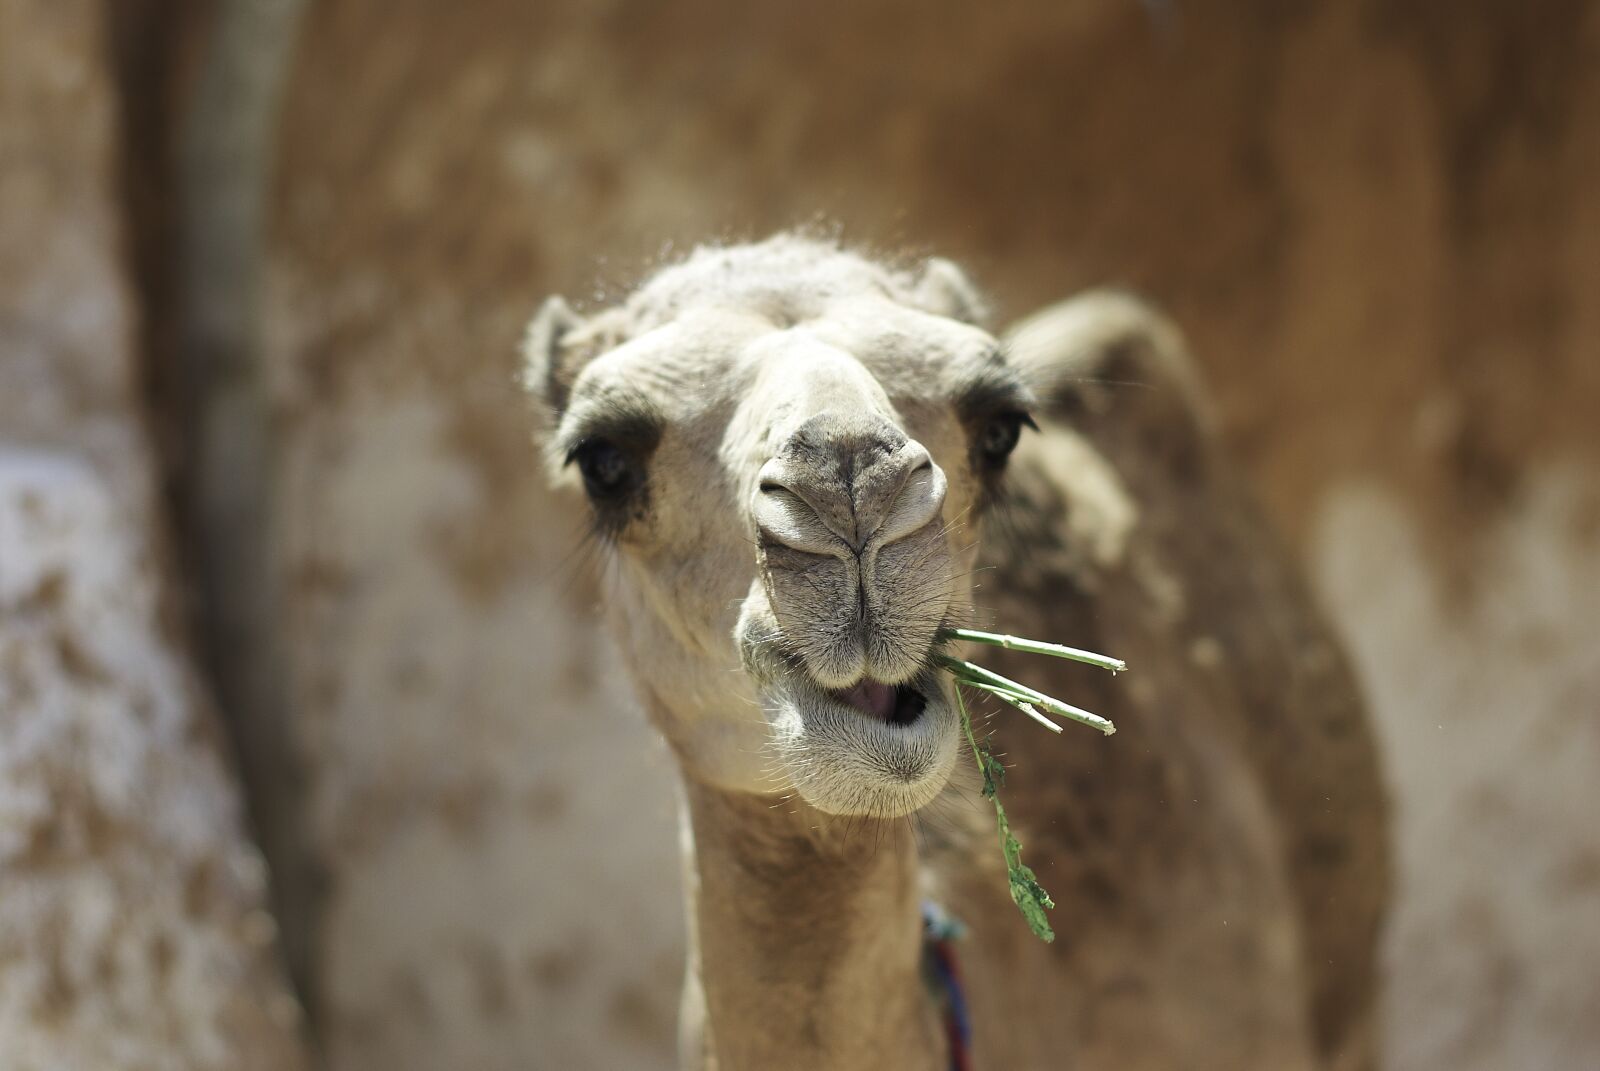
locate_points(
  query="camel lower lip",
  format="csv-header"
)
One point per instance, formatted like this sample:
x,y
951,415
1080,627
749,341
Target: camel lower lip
x,y
848,750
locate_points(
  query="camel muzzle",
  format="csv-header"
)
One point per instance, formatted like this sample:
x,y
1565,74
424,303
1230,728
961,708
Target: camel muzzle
x,y
853,554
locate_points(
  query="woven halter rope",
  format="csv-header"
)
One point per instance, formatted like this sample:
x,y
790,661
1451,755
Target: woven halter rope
x,y
940,932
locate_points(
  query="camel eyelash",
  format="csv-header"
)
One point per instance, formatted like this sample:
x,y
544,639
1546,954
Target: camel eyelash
x,y
616,415
635,433
612,447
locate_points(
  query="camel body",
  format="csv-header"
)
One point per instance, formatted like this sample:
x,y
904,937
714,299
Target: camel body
x,y
1219,865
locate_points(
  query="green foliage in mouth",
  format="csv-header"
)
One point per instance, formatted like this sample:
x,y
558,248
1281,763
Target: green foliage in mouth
x,y
1026,892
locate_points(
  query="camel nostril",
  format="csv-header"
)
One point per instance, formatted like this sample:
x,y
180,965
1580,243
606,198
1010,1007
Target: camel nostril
x,y
839,501
790,511
916,503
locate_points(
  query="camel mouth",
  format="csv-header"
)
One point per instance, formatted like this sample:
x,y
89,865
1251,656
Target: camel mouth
x,y
897,704
870,748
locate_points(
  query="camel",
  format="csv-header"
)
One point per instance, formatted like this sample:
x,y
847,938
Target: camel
x,y
805,463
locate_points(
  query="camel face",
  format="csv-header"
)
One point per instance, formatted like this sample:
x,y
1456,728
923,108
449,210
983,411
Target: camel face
x,y
789,449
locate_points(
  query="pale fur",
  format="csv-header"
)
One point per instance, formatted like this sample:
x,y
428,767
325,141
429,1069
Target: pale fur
x,y
735,350
810,519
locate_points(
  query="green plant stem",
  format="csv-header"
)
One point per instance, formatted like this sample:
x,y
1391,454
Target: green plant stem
x,y
998,684
1021,702
1019,643
966,727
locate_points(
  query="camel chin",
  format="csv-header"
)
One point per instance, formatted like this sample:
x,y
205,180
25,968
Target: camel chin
x,y
846,760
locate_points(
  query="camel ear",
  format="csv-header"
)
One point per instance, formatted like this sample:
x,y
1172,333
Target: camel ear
x,y
1120,371
945,289
549,363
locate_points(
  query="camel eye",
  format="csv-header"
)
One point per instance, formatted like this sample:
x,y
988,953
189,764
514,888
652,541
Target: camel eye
x,y
998,437
609,474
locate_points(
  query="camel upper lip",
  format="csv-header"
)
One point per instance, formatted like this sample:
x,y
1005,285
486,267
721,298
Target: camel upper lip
x,y
899,704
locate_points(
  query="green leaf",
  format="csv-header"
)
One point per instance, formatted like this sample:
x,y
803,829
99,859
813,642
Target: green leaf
x,y
994,774
1026,892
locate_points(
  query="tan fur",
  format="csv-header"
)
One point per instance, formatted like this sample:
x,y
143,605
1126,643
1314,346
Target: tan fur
x,y
809,518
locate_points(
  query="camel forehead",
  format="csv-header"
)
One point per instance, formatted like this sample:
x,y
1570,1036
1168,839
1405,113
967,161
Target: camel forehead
x,y
912,353
785,279
717,353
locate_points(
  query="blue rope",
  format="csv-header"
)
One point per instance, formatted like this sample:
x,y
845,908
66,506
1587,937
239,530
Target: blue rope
x,y
939,934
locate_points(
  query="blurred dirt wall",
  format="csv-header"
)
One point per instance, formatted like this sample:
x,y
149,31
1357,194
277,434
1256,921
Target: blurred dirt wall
x,y
1378,223
133,929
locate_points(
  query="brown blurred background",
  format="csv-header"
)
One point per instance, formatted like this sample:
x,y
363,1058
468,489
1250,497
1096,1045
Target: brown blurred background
x,y
276,555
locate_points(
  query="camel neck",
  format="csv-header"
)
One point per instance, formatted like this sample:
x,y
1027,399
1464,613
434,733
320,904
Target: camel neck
x,y
807,937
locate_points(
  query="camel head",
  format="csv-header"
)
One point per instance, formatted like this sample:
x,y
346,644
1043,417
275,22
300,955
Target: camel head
x,y
789,449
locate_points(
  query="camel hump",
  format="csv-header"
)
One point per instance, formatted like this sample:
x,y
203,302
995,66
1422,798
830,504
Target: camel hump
x,y
1230,636
1111,364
